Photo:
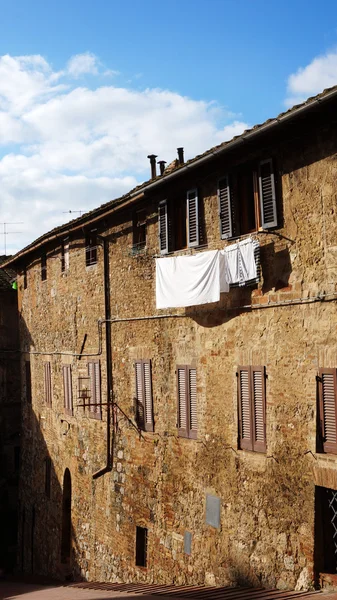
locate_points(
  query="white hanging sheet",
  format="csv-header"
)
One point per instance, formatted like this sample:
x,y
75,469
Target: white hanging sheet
x,y
188,280
239,261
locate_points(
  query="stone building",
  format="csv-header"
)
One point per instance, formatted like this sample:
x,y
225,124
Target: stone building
x,y
10,418
192,444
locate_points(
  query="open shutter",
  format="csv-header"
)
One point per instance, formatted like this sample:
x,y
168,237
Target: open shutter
x,y
258,384
245,412
47,382
148,395
140,410
163,227
67,389
94,372
193,424
192,219
182,387
328,401
225,211
267,194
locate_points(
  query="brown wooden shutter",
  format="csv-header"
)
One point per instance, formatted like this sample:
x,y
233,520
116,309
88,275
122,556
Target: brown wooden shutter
x,y
148,395
193,423
28,382
182,387
245,413
47,383
328,408
267,194
258,386
67,389
225,210
140,416
192,219
163,227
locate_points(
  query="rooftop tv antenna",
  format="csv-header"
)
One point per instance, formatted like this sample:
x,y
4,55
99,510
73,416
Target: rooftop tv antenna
x,y
80,212
6,233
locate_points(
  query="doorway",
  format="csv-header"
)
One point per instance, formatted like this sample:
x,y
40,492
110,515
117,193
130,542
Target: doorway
x,y
325,531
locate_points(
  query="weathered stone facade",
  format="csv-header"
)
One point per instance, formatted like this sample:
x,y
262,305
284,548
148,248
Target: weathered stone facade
x,y
160,481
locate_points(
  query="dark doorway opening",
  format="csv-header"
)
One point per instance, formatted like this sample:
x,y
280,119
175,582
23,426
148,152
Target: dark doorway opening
x,y
66,519
325,531
141,546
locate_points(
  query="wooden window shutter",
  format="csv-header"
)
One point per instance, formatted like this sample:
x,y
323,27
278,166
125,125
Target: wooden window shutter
x,y
245,413
182,388
267,194
47,383
258,386
163,227
148,395
225,210
67,389
140,417
328,408
94,373
192,219
192,396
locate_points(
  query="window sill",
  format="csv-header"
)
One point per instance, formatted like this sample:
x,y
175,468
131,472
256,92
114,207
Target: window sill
x,y
96,417
91,267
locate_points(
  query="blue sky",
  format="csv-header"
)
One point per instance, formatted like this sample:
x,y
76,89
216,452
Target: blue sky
x,y
88,89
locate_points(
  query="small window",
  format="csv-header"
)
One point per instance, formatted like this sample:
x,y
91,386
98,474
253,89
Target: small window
x,y
179,222
67,389
139,231
47,477
144,408
25,279
187,401
65,255
43,267
47,384
28,382
327,396
247,199
94,372
252,408
91,249
141,546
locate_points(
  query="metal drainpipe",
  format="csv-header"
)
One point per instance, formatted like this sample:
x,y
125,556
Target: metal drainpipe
x,y
107,310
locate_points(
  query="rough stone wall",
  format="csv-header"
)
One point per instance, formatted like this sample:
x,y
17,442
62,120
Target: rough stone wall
x,y
160,481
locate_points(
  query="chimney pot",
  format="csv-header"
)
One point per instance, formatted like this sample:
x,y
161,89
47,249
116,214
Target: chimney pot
x,y
181,155
162,164
152,158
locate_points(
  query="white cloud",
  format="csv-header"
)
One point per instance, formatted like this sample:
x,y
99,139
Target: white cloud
x,y
67,147
308,81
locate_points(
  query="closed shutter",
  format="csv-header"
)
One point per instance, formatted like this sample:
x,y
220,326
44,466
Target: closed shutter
x,y
328,401
94,373
182,401
259,408
47,383
163,227
193,403
192,219
225,211
144,404
267,194
245,421
67,389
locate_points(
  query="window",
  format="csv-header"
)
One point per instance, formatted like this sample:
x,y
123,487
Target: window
x,y
67,389
327,396
141,546
91,249
94,373
65,255
47,476
187,401
179,223
139,231
43,267
25,279
28,382
252,408
144,407
247,199
47,383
